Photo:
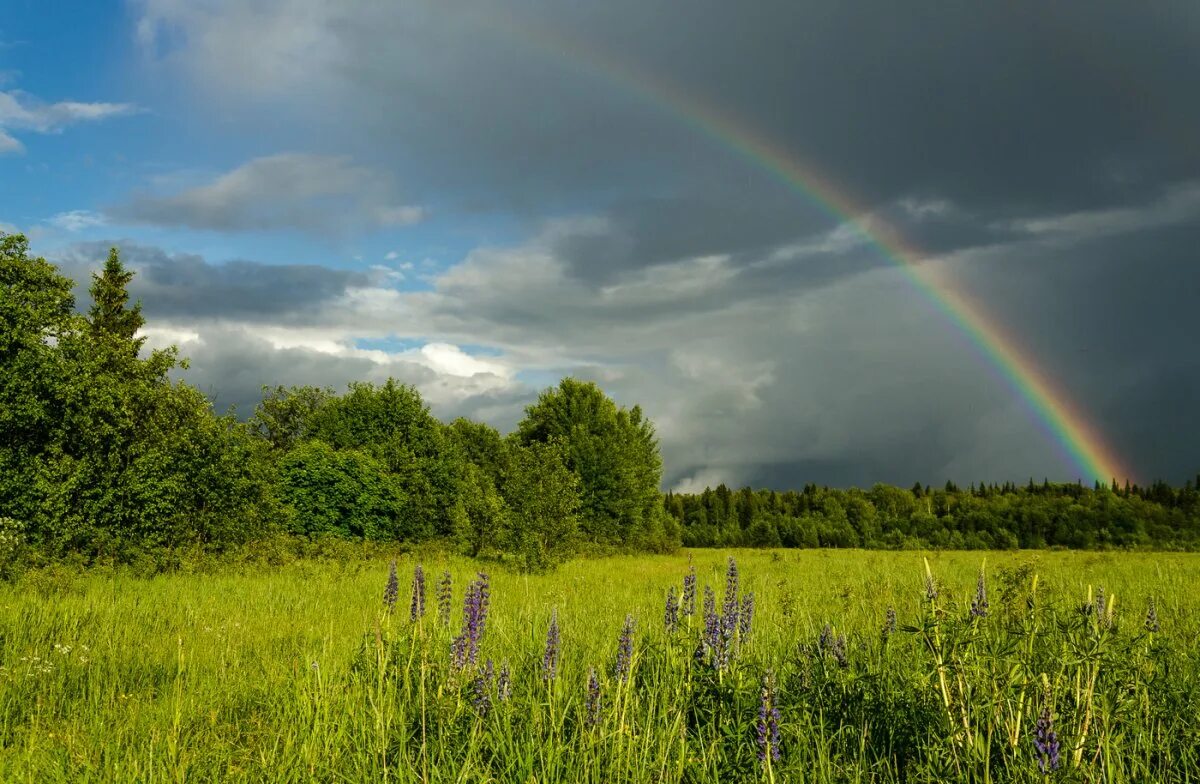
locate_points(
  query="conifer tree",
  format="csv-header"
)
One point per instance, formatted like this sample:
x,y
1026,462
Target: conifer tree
x,y
111,315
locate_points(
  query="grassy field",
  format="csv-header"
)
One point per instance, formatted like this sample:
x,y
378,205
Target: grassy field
x,y
298,673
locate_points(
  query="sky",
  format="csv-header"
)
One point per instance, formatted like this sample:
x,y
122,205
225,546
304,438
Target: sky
x,y
699,211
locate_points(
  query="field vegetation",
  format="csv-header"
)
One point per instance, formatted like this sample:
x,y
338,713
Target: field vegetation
x,y
822,666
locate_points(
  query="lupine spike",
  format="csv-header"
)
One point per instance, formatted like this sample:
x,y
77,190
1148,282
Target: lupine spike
x,y
979,605
747,616
931,590
465,647
391,591
1045,743
593,698
417,607
1152,616
624,651
481,696
504,683
689,592
671,612
550,657
767,726
889,623
731,606
444,599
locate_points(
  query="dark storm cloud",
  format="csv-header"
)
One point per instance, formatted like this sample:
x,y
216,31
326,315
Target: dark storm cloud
x,y
1005,106
186,286
1036,146
1115,320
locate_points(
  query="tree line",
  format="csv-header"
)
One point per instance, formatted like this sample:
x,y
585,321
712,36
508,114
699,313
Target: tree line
x,y
987,516
102,455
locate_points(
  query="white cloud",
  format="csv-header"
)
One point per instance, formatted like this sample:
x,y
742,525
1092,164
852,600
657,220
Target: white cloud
x,y
314,193
21,112
391,255
76,220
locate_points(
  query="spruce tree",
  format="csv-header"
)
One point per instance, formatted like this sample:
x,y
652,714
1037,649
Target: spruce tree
x,y
111,316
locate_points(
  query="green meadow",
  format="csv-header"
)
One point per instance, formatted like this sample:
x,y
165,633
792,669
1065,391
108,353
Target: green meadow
x,y
300,673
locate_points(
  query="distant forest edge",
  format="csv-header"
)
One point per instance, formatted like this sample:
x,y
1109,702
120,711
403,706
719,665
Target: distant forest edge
x,y
1001,517
104,459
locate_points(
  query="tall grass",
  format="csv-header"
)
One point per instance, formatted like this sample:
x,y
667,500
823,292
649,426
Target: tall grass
x,y
300,673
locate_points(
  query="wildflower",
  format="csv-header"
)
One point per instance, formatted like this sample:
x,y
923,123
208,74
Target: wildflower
x,y
481,689
838,650
931,591
592,717
825,641
417,608
730,608
1045,743
443,599
889,623
392,591
689,592
711,639
979,605
834,645
504,683
747,617
671,612
1152,616
1101,603
767,726
624,651
465,646
550,657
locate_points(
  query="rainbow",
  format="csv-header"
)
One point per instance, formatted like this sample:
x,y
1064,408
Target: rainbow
x,y
1079,441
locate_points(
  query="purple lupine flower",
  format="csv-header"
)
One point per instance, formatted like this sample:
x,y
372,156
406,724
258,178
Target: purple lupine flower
x,y
833,645
417,608
767,726
624,651
979,605
592,714
689,592
840,654
550,657
481,689
443,599
729,609
1045,743
671,612
1101,604
889,623
465,646
711,638
747,617
825,641
504,683
1152,616
931,590
391,592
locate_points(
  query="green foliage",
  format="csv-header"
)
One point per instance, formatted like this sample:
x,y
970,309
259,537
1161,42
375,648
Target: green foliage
x,y
102,455
297,672
614,453
393,424
285,416
988,517
342,491
36,311
543,499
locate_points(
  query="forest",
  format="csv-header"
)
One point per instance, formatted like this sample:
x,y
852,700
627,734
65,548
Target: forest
x,y
105,458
